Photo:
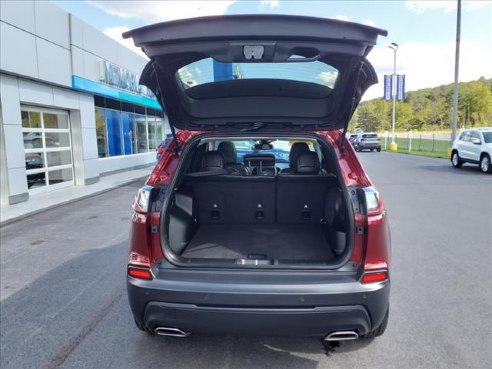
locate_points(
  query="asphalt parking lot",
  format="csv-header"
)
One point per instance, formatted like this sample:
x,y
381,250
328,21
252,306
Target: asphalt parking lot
x,y
63,296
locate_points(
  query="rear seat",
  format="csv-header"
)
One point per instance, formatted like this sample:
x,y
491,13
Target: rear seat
x,y
297,197
301,195
224,198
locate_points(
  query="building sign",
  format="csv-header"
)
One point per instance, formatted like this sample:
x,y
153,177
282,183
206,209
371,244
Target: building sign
x,y
124,79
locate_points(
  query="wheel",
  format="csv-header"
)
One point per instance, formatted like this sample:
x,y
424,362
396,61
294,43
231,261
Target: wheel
x,y
485,165
378,149
380,329
455,160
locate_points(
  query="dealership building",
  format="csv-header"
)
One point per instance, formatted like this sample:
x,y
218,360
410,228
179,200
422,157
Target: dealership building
x,y
71,109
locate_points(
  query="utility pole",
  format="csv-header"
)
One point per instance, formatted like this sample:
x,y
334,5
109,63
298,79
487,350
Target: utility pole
x,y
456,74
393,146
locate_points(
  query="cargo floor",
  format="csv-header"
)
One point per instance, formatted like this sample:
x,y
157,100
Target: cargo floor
x,y
283,242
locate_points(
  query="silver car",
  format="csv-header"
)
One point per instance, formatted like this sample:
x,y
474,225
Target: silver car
x,y
473,146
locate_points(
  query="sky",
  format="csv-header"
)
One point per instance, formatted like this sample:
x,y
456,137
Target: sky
x,y
424,30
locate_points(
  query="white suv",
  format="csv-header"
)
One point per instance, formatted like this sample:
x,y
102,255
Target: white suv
x,y
473,146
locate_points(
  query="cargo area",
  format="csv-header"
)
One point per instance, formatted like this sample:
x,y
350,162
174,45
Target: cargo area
x,y
258,210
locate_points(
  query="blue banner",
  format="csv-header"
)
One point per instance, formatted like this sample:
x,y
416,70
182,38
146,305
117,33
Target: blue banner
x,y
400,87
388,86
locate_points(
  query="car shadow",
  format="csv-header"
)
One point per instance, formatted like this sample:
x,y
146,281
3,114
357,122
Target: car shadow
x,y
465,170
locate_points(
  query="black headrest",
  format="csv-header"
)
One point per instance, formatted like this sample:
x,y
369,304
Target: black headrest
x,y
212,160
228,149
307,163
295,150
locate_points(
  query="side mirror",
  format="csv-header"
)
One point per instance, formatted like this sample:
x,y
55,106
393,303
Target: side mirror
x,y
476,141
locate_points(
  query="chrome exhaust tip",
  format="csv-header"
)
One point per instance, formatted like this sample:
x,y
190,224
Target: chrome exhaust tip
x,y
171,332
342,336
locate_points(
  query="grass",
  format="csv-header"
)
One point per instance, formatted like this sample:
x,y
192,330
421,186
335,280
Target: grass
x,y
422,147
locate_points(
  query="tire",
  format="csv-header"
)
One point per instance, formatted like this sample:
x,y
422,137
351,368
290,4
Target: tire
x,y
378,149
456,160
379,331
485,165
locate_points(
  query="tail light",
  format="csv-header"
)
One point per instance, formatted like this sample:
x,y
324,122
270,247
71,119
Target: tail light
x,y
141,256
142,200
374,277
377,238
140,273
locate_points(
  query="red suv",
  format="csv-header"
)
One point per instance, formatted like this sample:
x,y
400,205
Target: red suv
x,y
293,238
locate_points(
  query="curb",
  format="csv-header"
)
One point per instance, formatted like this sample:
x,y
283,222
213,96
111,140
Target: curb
x,y
83,197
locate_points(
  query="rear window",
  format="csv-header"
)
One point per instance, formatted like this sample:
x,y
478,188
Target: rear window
x,y
370,136
208,70
279,148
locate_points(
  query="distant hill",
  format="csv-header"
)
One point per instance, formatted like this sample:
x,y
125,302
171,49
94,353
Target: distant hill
x,y
429,109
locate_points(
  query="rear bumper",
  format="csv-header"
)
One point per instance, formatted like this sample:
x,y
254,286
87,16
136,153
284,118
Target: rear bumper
x,y
369,145
280,308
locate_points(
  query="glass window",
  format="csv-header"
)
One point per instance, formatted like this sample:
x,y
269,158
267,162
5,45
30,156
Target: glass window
x,y
45,131
487,137
31,119
25,119
60,175
142,145
466,136
59,158
34,160
102,150
113,126
57,139
33,140
152,133
128,128
476,135
55,121
159,132
208,70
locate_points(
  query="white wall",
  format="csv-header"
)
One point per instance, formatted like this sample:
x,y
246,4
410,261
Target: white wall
x,y
34,38
41,47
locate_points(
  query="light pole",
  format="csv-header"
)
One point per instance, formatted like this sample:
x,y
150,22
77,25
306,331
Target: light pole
x,y
393,146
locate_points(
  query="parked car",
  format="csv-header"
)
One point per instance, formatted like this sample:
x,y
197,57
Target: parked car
x,y
218,249
367,141
162,146
473,146
353,138
34,161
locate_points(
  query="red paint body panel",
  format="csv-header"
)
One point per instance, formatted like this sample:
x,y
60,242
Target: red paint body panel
x,y
371,249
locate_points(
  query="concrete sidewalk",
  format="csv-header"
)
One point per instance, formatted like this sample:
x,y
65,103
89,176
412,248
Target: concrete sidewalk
x,y
43,201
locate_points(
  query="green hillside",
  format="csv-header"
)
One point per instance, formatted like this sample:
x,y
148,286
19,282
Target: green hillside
x,y
429,109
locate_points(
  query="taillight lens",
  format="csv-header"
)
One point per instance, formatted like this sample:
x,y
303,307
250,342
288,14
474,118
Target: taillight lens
x,y
142,200
374,277
140,273
372,198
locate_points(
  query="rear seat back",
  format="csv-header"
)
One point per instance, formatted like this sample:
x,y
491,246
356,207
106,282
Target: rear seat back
x,y
301,195
233,199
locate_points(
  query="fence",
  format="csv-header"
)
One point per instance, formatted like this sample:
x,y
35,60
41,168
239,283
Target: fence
x,y
425,143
